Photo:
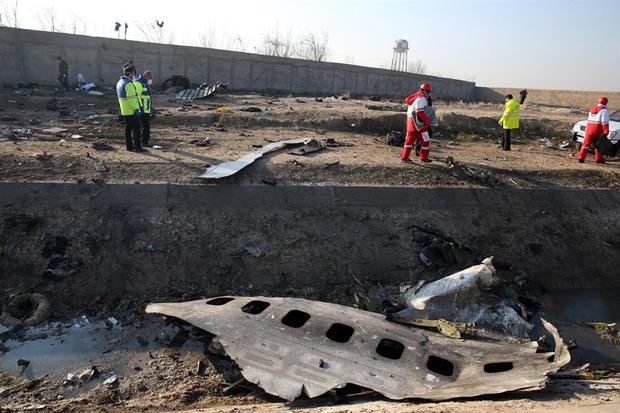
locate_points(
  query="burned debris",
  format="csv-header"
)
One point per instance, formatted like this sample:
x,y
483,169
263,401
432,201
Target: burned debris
x,y
292,346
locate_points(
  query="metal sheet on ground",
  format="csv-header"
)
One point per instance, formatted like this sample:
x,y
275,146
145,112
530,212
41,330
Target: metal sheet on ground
x,y
229,168
288,346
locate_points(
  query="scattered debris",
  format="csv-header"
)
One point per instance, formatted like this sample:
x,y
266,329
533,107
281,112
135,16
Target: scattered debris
x,y
223,109
395,138
332,163
276,348
254,250
387,108
76,136
88,374
16,134
229,168
54,131
157,147
60,267
447,328
309,147
563,146
206,141
333,143
607,331
111,380
95,93
251,109
100,166
41,156
100,146
83,321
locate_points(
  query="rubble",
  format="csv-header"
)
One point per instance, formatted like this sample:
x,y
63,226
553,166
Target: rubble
x,y
395,138
292,346
310,146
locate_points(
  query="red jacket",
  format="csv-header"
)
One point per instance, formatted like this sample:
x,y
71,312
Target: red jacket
x,y
598,121
417,102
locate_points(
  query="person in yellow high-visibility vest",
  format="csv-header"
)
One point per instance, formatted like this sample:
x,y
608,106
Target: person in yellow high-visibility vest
x,y
509,120
129,103
143,84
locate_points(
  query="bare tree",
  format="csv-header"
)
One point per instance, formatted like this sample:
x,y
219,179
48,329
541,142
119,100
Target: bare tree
x,y
236,43
48,20
9,14
208,38
312,47
417,66
77,25
275,44
154,32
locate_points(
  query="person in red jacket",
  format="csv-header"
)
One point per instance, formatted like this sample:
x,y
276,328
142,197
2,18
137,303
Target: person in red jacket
x,y
418,124
598,125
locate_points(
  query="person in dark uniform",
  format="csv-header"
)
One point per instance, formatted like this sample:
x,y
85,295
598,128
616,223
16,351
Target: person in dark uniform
x,y
143,84
131,108
63,74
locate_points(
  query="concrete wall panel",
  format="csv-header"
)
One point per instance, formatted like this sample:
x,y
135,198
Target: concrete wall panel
x,y
30,56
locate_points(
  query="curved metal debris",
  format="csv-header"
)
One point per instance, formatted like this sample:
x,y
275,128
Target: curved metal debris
x,y
229,168
290,345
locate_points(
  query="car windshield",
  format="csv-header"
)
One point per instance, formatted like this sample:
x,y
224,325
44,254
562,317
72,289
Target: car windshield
x,y
615,116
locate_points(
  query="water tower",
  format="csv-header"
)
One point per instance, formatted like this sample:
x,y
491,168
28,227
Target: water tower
x,y
399,58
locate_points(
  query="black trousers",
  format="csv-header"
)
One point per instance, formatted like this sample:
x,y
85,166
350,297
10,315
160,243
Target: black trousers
x,y
506,140
145,124
63,78
132,132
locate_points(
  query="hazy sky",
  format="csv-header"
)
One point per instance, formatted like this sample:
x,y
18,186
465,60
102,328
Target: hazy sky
x,y
549,44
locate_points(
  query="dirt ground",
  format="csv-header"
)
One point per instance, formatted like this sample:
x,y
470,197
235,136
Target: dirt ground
x,y
160,367
468,133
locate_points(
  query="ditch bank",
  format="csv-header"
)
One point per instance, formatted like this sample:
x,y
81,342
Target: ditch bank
x,y
91,247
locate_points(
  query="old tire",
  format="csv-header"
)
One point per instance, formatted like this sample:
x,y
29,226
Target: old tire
x,y
30,309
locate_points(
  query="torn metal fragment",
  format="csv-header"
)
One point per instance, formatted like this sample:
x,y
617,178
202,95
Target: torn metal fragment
x,y
288,346
309,147
229,168
457,298
204,91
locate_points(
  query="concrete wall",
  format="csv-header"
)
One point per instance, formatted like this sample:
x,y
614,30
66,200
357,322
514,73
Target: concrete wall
x,y
30,56
566,98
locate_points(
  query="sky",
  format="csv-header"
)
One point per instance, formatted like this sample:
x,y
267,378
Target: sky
x,y
546,44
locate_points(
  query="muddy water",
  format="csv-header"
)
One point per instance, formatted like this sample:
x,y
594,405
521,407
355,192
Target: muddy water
x,y
56,349
571,310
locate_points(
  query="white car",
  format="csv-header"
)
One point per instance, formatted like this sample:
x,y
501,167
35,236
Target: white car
x,y
579,131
